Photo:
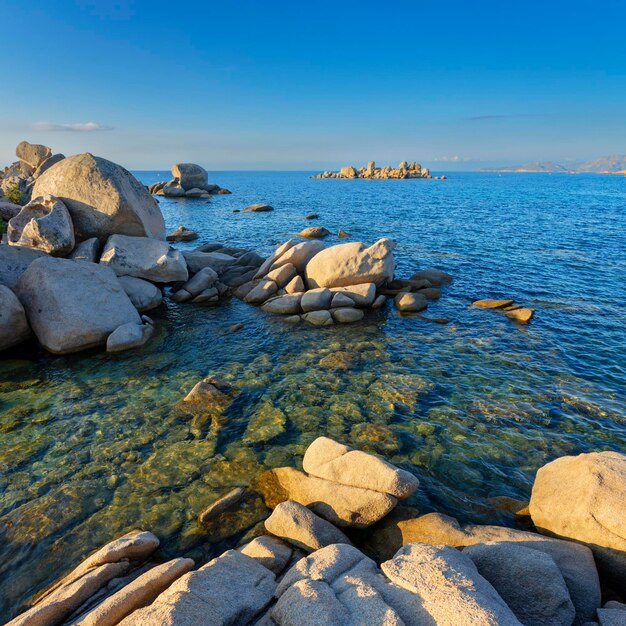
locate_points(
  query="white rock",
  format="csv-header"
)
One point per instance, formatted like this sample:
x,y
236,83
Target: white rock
x,y
362,295
299,255
347,316
129,336
14,260
143,294
88,250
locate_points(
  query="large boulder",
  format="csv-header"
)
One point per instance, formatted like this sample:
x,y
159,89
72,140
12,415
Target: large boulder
x,y
584,498
44,224
88,250
47,164
299,255
102,197
190,176
32,153
8,210
73,305
143,294
352,264
144,257
14,260
13,325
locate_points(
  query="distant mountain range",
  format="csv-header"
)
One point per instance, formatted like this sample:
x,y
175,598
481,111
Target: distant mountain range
x,y
612,164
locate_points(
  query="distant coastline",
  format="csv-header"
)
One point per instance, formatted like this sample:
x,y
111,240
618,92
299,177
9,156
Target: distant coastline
x,y
613,164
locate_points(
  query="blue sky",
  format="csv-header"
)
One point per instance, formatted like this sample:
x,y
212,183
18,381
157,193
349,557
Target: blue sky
x,y
314,85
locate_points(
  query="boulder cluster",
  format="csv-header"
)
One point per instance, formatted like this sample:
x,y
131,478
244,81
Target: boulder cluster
x,y
516,312
337,550
188,181
404,170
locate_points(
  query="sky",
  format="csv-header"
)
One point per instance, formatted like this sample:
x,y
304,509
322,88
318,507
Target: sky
x,y
314,85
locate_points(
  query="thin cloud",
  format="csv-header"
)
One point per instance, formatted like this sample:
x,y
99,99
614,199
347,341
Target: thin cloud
x,y
81,127
452,159
487,118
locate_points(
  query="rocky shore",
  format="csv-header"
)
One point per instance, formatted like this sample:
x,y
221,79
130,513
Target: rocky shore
x,y
404,170
339,548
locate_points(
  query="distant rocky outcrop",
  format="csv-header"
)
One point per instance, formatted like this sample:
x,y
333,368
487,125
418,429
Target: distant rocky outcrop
x,y
189,181
404,170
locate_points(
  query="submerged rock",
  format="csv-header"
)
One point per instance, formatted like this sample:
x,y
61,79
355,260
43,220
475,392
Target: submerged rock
x,y
434,277
314,232
347,315
492,304
221,505
129,336
258,208
410,302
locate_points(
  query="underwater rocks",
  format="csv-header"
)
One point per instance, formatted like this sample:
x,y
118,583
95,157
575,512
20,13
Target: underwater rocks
x,y
404,170
515,312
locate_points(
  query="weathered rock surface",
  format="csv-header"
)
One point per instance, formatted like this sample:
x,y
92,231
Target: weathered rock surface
x,y
283,305
143,294
258,208
316,299
221,505
582,498
362,295
282,275
523,315
492,304
334,461
298,525
182,234
229,590
128,336
318,318
103,198
296,285
144,257
32,153
190,175
404,170
261,292
14,327
88,250
8,210
44,224
270,552
340,504
270,262
341,301
215,260
47,164
314,232
528,580
351,264
299,255
410,302
73,305
347,315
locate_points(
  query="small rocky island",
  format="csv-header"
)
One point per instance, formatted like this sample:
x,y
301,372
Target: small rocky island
x,y
404,170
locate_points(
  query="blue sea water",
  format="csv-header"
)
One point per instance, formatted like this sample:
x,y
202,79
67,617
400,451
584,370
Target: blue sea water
x,y
92,444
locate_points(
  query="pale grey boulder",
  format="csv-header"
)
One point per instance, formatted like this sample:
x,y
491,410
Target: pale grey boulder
x,y
173,190
352,264
190,176
73,305
299,255
612,614
325,458
288,304
340,301
129,336
434,277
215,260
379,302
102,197
583,498
268,264
362,295
296,285
298,525
261,292
144,257
528,580
347,315
47,164
449,585
88,250
270,552
318,318
8,210
231,589
143,294
204,279
14,327
44,224
316,300
197,193
282,275
32,153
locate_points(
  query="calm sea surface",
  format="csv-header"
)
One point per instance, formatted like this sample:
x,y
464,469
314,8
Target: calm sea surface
x,y
92,445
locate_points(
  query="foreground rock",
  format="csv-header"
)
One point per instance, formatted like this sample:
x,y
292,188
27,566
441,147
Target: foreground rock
x,y
102,197
14,261
404,170
129,336
143,294
88,250
14,327
143,257
44,224
32,153
582,498
351,264
73,305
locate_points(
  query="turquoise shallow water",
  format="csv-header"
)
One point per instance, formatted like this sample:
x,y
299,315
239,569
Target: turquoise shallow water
x,y
93,444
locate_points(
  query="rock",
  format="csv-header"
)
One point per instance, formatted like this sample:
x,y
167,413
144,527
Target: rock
x,y
210,395
311,216
339,463
221,505
337,360
250,258
449,586
299,255
47,164
263,291
182,295
143,257
343,233
283,305
144,295
232,589
610,617
362,295
44,224
347,315
204,279
582,498
199,260
258,208
270,552
351,264
73,305
340,504
103,198
318,318
190,175
430,293
14,327
282,275
173,190
298,525
348,172
528,580
314,232
340,300
88,250
129,336
32,153
137,594
210,296
267,422
434,277
292,319
410,302
492,304
295,285
379,302
8,210
197,193
574,560
182,234
14,260
316,300
521,316
272,258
